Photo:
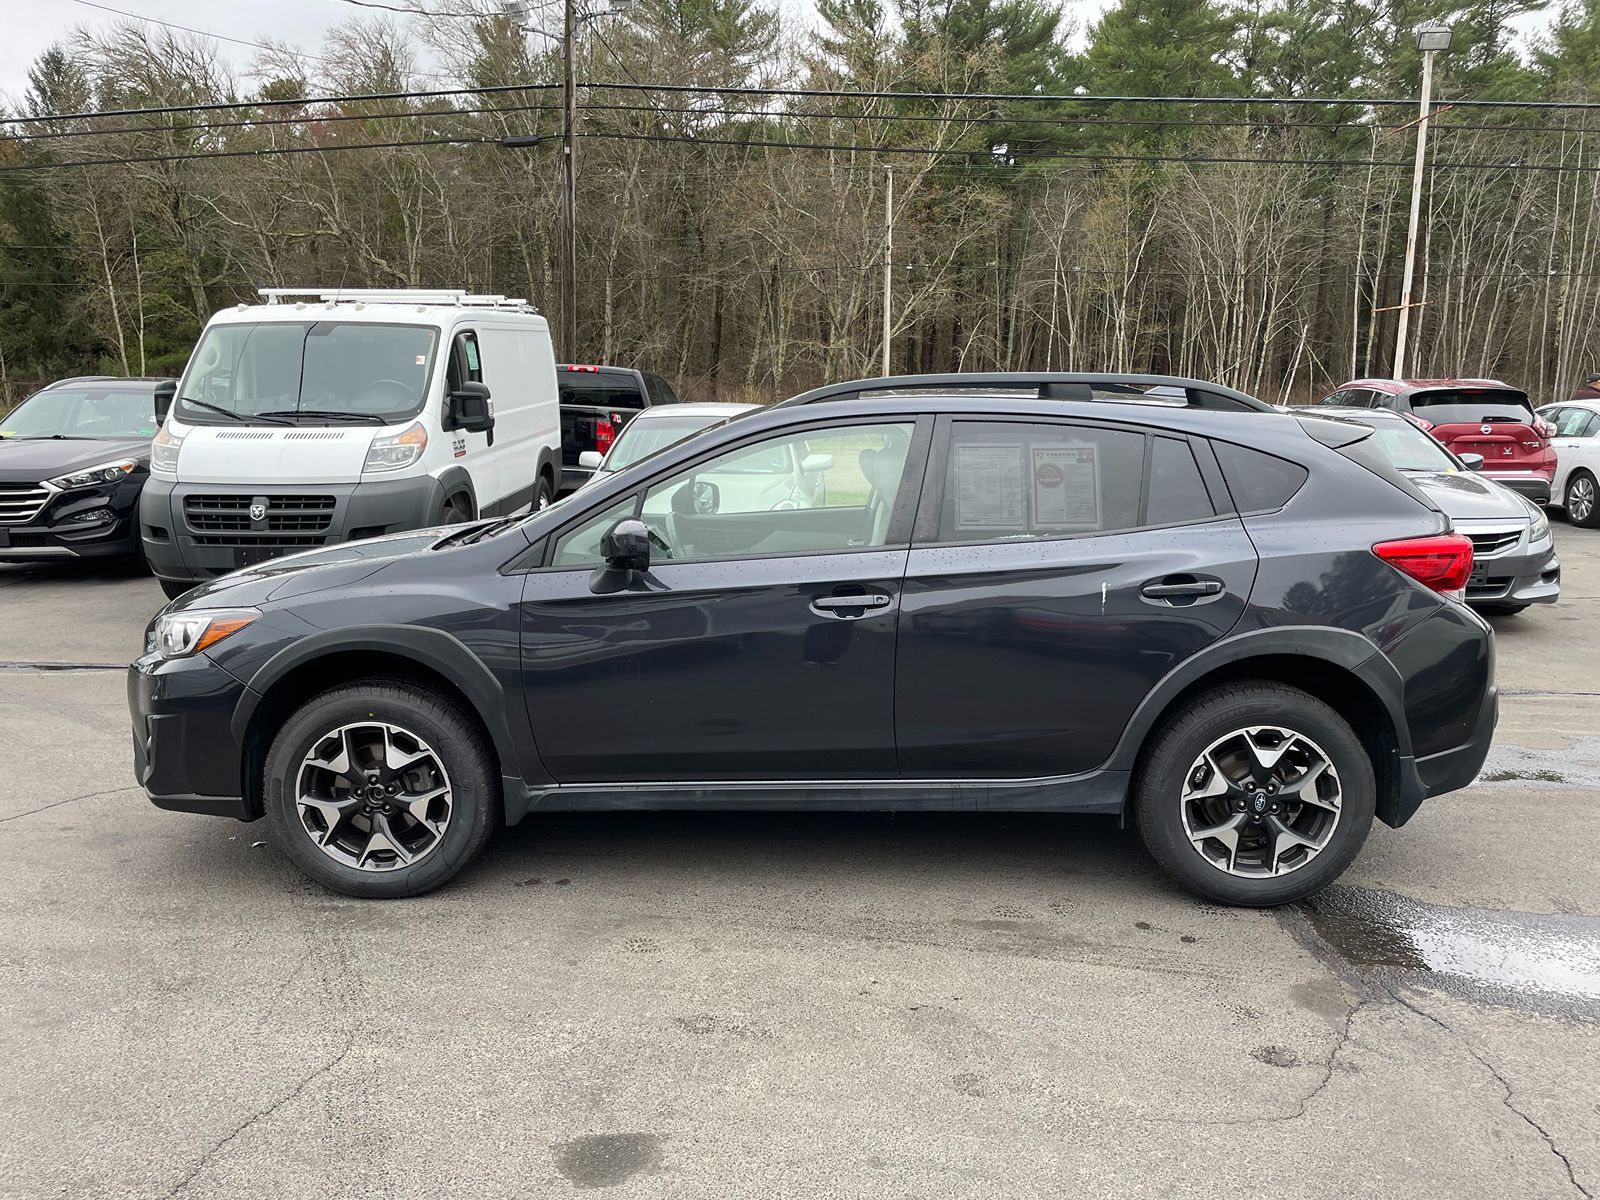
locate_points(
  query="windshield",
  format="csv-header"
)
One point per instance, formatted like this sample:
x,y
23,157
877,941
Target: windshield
x,y
357,368
86,412
1409,449
645,437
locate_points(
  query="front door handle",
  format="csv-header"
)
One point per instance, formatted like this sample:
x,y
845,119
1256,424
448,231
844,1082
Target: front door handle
x,y
850,604
1178,589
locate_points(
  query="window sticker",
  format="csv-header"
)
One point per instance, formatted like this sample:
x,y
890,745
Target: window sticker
x,y
989,487
1066,487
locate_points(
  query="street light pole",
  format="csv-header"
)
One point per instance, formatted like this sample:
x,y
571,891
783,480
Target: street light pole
x,y
569,184
888,265
1431,38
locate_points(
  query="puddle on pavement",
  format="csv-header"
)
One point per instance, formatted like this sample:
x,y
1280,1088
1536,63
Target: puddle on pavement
x,y
1525,960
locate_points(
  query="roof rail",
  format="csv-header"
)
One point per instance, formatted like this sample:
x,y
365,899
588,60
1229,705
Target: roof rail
x,y
1171,390
454,297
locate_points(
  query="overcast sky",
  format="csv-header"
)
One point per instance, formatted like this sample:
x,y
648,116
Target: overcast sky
x,y
29,26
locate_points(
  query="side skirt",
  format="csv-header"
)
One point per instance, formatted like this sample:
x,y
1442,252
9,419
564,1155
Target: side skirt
x,y
1096,792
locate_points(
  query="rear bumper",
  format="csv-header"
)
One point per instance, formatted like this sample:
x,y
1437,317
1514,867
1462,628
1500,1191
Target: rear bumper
x,y
1534,486
185,755
573,478
1449,770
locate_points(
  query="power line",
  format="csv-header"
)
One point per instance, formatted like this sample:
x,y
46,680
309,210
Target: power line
x,y
220,37
264,152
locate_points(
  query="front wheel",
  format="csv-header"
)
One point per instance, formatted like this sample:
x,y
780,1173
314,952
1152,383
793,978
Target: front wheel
x,y
381,789
1582,503
173,588
1255,794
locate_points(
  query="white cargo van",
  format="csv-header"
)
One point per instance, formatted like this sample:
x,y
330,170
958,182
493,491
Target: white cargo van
x,y
324,415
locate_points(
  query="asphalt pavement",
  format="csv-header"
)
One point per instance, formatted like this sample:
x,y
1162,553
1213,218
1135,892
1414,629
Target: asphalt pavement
x,y
789,1005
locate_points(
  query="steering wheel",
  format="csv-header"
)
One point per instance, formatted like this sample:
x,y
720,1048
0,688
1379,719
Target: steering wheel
x,y
406,393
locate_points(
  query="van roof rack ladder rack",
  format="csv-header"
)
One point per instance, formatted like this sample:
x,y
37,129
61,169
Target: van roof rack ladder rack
x,y
451,297
1171,390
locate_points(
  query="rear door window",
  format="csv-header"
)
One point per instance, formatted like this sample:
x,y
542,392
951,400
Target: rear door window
x,y
1472,406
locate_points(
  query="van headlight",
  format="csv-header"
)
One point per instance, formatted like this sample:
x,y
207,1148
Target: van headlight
x,y
395,451
164,452
179,634
110,472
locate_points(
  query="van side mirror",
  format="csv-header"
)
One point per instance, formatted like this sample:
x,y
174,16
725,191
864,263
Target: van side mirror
x,y
626,549
469,408
166,392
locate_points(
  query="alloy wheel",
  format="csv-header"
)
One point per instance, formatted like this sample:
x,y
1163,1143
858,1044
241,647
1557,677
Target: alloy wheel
x,y
1580,499
373,796
1261,802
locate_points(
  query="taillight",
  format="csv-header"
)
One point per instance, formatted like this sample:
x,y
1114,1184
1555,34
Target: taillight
x,y
1442,563
1425,426
604,434
1543,428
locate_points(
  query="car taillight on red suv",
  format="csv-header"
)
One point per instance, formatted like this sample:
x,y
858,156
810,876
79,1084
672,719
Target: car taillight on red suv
x,y
604,434
1441,562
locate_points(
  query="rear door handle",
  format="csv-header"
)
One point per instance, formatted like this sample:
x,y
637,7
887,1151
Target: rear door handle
x,y
1179,589
857,604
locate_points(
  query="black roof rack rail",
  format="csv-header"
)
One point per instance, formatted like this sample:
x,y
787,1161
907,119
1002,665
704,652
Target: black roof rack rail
x,y
1051,385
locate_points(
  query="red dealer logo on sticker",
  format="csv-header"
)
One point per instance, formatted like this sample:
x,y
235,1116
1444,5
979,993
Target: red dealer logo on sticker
x,y
1048,475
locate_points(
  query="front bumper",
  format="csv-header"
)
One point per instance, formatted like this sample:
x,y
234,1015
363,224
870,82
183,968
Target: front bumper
x,y
1517,578
84,523
1534,486
191,534
185,754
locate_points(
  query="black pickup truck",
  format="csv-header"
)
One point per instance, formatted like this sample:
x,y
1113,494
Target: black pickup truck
x,y
596,402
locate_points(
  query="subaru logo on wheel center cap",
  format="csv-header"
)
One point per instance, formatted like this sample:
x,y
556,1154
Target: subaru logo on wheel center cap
x,y
1258,802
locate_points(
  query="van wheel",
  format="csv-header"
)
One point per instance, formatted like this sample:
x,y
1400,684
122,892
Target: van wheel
x,y
545,495
1255,794
457,510
380,789
173,588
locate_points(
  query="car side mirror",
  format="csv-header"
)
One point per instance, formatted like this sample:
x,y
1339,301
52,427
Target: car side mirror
x,y
626,549
469,408
815,464
1472,462
166,392
589,460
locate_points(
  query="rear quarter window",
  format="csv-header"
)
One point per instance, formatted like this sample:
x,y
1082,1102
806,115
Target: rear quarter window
x,y
1258,482
599,389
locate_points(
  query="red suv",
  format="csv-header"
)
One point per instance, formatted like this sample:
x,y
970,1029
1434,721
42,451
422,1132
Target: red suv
x,y
1482,417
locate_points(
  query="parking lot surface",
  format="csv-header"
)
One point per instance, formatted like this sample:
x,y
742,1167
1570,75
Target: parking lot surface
x,y
672,1004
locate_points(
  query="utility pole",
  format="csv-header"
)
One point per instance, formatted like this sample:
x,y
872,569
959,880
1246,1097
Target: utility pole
x,y
1431,38
569,184
888,264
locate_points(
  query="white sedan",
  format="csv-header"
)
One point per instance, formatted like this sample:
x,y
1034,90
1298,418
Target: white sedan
x,y
1576,486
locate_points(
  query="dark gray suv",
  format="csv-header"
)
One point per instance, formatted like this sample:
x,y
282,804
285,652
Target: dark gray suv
x,y
1146,597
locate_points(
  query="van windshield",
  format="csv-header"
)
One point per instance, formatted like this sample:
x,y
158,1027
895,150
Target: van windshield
x,y
311,372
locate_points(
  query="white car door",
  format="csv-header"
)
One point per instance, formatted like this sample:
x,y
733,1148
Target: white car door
x,y
1576,442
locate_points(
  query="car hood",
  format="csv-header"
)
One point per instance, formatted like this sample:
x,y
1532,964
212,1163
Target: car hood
x,y
28,460
313,570
304,454
1466,497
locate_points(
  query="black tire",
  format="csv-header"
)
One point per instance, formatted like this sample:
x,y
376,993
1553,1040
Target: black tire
x,y
1582,484
545,494
456,511
1173,751
173,588
1499,610
436,719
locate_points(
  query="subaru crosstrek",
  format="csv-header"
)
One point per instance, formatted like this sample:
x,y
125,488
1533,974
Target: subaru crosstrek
x,y
1146,597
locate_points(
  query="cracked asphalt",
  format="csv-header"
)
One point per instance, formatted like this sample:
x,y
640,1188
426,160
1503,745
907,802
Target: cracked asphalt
x,y
780,1005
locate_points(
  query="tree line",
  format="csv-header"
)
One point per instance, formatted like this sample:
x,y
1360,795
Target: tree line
x,y
733,168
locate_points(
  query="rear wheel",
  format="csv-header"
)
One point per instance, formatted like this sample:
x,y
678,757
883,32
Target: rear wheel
x,y
1255,794
545,496
380,789
1582,503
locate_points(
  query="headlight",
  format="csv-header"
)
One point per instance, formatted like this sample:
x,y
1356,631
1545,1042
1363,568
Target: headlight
x,y
1540,529
164,452
397,450
91,476
175,635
